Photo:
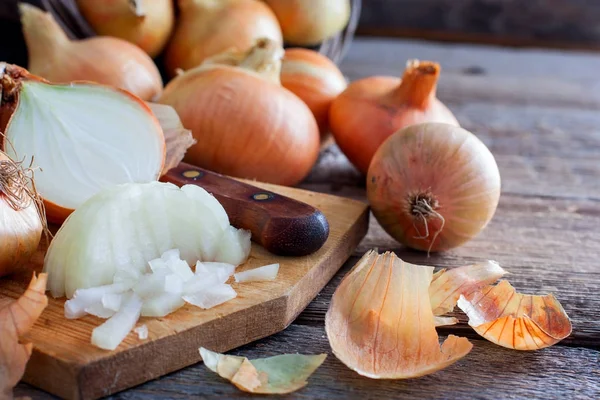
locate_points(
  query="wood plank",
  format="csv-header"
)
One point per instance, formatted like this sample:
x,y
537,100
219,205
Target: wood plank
x,y
488,372
560,23
65,363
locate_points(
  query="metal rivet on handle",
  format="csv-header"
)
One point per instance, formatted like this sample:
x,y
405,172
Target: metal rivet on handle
x,y
263,196
192,174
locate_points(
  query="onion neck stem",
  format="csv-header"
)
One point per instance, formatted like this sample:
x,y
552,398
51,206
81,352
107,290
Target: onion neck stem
x,y
419,83
201,4
137,8
42,32
264,59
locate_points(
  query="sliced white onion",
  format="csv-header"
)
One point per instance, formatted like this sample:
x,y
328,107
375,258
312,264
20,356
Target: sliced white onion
x,y
212,296
120,230
84,138
84,298
98,310
150,284
234,246
142,332
157,263
174,284
223,270
180,268
112,301
162,304
111,333
266,273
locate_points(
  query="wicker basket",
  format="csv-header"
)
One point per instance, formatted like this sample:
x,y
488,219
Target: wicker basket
x,y
68,16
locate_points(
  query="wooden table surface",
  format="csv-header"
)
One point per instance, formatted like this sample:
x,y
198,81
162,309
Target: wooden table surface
x,y
539,113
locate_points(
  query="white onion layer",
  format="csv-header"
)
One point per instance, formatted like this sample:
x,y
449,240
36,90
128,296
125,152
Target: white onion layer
x,y
266,273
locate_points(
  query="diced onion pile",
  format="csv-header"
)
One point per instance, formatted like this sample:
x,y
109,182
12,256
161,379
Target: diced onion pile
x,y
166,285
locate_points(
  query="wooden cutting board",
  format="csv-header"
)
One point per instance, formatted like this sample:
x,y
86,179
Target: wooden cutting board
x,y
66,364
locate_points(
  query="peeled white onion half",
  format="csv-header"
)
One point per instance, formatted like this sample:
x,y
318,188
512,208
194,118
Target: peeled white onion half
x,y
115,234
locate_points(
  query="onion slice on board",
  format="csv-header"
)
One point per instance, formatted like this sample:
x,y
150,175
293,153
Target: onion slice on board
x,y
380,322
281,374
265,273
514,320
84,137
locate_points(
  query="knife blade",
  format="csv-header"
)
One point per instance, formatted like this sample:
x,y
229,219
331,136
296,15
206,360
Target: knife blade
x,y
282,225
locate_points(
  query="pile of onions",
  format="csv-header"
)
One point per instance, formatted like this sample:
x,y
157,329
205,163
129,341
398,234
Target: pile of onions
x,y
209,27
373,108
246,124
145,23
315,79
107,60
83,137
433,186
308,23
21,217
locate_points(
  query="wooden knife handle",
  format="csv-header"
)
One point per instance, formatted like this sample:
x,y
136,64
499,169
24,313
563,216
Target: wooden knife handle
x,y
282,225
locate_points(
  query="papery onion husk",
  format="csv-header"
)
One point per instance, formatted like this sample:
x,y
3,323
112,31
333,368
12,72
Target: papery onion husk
x,y
308,23
115,234
514,320
372,109
22,218
16,319
380,323
433,186
280,374
145,23
245,123
208,27
83,137
101,59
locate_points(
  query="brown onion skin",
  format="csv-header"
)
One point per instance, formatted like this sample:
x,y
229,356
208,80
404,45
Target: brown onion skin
x,y
373,108
245,125
117,18
102,59
209,27
315,79
445,162
20,233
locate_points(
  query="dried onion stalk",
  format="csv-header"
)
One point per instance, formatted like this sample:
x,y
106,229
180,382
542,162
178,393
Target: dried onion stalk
x,y
380,322
514,320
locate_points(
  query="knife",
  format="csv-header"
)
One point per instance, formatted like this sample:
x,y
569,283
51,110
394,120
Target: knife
x,y
282,225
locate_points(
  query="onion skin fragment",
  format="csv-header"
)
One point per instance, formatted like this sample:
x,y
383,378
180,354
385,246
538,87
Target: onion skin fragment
x,y
380,322
433,186
514,320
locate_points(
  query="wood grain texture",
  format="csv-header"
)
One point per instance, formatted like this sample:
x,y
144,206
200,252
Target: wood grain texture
x,y
488,372
65,363
549,22
544,131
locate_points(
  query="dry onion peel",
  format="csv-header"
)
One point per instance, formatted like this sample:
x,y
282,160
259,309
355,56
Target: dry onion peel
x,y
102,59
514,320
22,217
16,319
380,322
448,285
281,374
177,138
83,137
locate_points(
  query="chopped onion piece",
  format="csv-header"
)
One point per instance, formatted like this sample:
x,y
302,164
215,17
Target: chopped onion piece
x,y
514,320
223,270
162,304
142,332
266,273
234,246
212,296
150,284
156,264
84,298
171,255
112,301
110,334
181,268
380,322
98,310
174,284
